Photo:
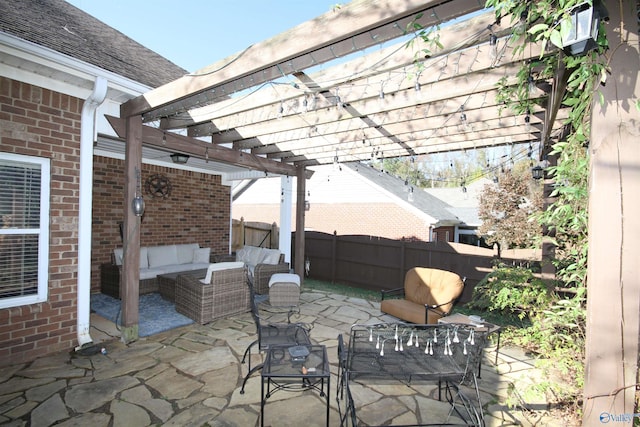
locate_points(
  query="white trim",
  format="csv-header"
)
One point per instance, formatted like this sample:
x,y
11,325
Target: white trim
x,y
61,63
43,232
85,203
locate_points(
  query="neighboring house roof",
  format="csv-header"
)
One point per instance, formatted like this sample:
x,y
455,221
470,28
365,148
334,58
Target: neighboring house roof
x,y
62,27
358,199
463,201
422,201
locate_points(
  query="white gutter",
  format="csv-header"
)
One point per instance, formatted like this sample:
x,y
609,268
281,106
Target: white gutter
x,y
87,134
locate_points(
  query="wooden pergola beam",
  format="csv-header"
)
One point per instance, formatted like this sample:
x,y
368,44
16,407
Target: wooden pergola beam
x,y
194,147
361,24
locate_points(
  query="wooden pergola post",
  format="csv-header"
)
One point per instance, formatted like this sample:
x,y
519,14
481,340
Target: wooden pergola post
x,y
301,183
613,285
130,277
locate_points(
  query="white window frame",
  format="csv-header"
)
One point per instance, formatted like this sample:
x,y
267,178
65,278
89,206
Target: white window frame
x,y
42,232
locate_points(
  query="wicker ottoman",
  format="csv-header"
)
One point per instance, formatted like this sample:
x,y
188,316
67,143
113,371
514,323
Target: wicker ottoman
x,y
284,290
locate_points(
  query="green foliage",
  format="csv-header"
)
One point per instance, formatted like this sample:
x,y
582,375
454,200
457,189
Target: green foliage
x,y
512,290
558,331
555,328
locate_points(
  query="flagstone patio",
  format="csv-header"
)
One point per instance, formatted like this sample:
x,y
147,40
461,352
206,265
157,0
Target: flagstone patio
x,y
191,376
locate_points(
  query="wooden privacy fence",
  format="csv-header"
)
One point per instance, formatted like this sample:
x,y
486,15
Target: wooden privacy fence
x,y
254,234
378,263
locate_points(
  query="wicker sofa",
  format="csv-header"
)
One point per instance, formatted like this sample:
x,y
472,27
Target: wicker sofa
x,y
154,261
261,264
223,292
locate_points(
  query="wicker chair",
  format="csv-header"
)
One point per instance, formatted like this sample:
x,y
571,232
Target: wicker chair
x,y
261,273
226,294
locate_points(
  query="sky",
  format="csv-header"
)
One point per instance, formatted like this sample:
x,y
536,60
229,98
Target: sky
x,y
197,33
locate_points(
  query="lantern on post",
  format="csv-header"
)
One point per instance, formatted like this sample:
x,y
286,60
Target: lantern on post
x,y
580,31
537,172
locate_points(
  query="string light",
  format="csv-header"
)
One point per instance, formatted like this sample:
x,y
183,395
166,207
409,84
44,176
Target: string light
x,y
493,48
281,110
381,100
304,105
417,90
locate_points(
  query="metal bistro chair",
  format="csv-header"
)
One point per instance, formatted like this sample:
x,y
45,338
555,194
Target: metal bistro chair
x,y
270,334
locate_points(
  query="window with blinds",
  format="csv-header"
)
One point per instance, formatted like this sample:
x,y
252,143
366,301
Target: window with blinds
x,y
24,229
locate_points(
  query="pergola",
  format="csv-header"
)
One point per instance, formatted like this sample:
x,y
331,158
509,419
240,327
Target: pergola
x,y
346,86
354,84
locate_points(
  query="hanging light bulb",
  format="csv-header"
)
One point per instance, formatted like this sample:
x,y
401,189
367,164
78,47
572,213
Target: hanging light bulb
x,y
339,103
313,101
410,195
493,48
527,121
417,90
280,110
336,165
304,104
381,100
531,85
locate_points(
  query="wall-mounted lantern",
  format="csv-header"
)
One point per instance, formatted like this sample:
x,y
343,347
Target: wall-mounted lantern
x,y
179,158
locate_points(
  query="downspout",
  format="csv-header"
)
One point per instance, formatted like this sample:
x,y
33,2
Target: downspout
x,y
87,132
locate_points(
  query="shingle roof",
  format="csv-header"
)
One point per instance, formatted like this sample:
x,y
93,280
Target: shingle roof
x,y
60,26
422,200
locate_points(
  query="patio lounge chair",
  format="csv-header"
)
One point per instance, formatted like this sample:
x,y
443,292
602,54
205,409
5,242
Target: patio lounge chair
x,y
428,294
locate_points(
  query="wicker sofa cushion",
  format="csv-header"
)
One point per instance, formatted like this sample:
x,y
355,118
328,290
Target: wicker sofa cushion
x,y
162,255
201,255
220,266
118,253
284,278
252,256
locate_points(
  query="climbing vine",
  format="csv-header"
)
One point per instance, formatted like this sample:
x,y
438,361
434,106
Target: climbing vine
x,y
563,323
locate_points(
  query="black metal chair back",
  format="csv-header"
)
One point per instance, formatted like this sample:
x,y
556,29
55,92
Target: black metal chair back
x,y
270,334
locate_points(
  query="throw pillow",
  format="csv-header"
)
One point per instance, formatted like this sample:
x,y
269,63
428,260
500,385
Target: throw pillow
x,y
201,255
272,256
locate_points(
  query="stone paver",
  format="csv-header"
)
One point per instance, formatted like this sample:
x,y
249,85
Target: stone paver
x,y
191,376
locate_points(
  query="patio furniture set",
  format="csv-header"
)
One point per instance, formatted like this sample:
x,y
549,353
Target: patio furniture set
x,y
431,347
204,287
444,352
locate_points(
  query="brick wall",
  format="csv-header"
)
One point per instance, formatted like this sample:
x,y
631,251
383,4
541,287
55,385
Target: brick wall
x,y
39,122
196,211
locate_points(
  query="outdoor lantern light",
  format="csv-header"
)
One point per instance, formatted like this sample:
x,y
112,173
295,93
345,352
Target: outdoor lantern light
x,y
537,172
580,31
138,205
180,159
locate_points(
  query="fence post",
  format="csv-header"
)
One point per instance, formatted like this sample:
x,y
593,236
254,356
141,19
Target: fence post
x,y
403,249
275,238
334,256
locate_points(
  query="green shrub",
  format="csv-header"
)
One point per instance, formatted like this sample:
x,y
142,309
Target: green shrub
x,y
555,329
512,291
